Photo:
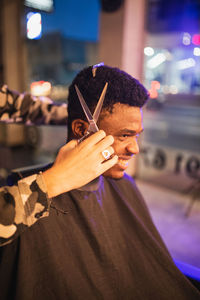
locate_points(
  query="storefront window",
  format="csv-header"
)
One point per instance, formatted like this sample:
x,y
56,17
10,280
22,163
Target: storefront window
x,y
68,41
169,152
173,70
172,52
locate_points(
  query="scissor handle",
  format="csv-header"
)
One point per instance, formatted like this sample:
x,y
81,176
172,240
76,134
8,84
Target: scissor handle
x,y
84,137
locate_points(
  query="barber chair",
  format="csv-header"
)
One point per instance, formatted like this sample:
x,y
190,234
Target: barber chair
x,y
19,173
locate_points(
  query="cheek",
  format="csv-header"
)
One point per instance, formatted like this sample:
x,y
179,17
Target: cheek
x,y
118,146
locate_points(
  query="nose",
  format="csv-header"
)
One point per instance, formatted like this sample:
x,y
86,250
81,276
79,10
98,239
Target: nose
x,y
133,147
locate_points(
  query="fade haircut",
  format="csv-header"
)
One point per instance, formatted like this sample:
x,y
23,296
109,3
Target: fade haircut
x,y
122,88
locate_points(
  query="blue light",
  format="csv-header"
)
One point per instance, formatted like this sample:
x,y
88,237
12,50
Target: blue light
x,y
34,25
196,51
186,39
149,51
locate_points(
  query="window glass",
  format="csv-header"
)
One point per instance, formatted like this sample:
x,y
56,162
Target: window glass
x,y
68,41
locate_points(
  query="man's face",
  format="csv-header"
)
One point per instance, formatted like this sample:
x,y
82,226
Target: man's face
x,y
124,124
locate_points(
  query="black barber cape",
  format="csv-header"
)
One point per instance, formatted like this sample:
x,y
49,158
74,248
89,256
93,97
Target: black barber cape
x,y
98,243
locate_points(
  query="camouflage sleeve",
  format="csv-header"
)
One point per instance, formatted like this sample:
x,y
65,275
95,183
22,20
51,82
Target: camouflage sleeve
x,y
21,206
27,109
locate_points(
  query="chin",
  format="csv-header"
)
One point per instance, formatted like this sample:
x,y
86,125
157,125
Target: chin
x,y
114,173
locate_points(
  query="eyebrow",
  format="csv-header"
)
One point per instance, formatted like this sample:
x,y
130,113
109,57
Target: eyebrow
x,y
132,132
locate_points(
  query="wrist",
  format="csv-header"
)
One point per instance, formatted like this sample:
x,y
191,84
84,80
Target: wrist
x,y
49,181
55,184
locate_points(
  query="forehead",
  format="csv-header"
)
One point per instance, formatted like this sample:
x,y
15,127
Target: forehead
x,y
122,117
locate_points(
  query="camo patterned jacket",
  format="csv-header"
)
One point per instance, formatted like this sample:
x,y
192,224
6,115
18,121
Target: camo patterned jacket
x,y
27,109
23,204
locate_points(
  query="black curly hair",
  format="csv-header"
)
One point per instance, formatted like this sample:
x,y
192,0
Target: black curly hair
x,y
122,88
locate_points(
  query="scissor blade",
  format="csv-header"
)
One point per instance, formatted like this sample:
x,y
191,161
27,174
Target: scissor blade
x,y
92,125
84,105
100,103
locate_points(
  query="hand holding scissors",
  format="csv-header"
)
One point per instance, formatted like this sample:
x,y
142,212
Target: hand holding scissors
x,y
92,119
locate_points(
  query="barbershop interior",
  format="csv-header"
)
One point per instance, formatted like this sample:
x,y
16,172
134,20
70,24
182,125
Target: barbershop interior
x,y
44,44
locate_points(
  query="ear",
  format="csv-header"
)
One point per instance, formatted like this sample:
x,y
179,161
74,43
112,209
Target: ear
x,y
79,128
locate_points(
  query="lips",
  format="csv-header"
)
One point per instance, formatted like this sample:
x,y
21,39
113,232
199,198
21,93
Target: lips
x,y
123,163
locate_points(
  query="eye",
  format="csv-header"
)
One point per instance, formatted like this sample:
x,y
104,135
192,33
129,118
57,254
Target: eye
x,y
124,137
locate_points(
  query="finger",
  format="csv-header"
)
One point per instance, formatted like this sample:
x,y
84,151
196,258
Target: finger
x,y
105,143
108,151
94,138
109,163
70,145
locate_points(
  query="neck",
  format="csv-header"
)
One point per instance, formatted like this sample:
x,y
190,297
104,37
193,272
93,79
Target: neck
x,y
93,185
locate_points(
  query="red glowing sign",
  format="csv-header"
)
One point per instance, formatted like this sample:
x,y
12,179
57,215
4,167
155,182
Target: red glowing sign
x,y
155,85
196,39
40,88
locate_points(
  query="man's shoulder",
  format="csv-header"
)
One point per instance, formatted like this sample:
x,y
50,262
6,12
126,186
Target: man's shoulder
x,y
129,178
127,190
126,182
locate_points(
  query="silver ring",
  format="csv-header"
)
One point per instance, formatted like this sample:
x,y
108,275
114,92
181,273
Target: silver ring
x,y
106,154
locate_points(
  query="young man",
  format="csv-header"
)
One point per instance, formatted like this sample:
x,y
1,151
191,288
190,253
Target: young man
x,y
99,241
27,201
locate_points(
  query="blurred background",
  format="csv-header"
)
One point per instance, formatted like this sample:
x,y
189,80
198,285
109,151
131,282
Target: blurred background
x,y
43,44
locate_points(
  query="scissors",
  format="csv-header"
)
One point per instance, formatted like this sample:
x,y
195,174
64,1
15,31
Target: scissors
x,y
92,119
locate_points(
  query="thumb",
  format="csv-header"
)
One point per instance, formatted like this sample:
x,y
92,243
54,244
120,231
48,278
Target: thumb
x,y
70,145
